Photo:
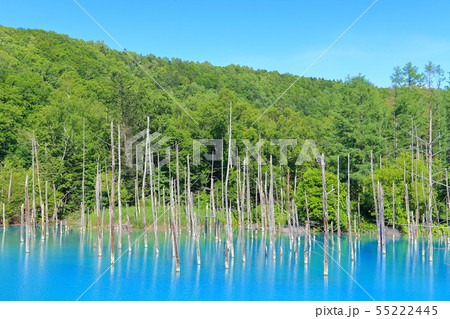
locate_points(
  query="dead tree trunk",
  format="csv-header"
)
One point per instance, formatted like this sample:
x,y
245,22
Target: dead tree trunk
x,y
430,189
382,226
448,196
407,209
10,186
55,207
119,196
174,231
4,217
111,202
46,209
22,213
33,190
178,200
393,209
352,253
97,209
338,218
136,188
83,202
128,228
271,210
325,217
375,201
307,233
227,203
27,218
144,217
41,202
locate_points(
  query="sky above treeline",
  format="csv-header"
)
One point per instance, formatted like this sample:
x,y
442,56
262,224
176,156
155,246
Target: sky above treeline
x,y
286,36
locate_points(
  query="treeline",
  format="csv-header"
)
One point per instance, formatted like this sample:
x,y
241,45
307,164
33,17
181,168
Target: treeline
x,y
52,86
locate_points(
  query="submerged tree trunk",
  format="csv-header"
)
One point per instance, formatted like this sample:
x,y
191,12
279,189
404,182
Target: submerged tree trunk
x,y
97,209
382,226
119,196
46,209
22,208
83,202
55,208
27,218
128,229
407,209
111,202
4,217
144,217
352,253
375,201
174,231
430,189
338,219
325,217
307,232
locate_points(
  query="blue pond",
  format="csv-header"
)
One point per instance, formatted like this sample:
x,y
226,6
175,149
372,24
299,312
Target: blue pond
x,y
66,266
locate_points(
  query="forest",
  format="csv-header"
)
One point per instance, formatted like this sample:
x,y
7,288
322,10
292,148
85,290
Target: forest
x,y
61,100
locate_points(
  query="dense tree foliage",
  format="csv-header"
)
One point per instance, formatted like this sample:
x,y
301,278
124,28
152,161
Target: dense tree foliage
x,y
51,84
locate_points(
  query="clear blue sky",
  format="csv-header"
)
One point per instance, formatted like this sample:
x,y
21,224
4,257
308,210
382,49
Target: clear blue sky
x,y
267,34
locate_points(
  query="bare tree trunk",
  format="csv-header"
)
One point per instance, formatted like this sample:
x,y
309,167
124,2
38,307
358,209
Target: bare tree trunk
x,y
22,212
249,209
393,209
27,218
41,202
153,201
307,234
359,216
407,209
375,201
97,209
197,230
227,203
119,196
55,207
412,227
128,228
83,202
112,203
338,218
271,210
188,196
4,217
261,193
178,200
352,253
423,235
46,209
136,188
174,231
325,217
382,227
10,186
448,195
144,217
213,204
33,190
430,189
288,210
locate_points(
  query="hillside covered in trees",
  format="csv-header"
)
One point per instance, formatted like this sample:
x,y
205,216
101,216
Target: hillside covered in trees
x,y
51,86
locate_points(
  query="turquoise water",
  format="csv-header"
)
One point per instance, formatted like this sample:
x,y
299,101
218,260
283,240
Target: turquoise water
x,y
65,266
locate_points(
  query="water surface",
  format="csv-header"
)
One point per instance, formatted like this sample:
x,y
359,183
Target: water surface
x,y
66,266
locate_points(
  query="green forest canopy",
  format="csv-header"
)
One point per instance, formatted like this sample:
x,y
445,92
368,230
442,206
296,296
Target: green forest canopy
x,y
50,84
